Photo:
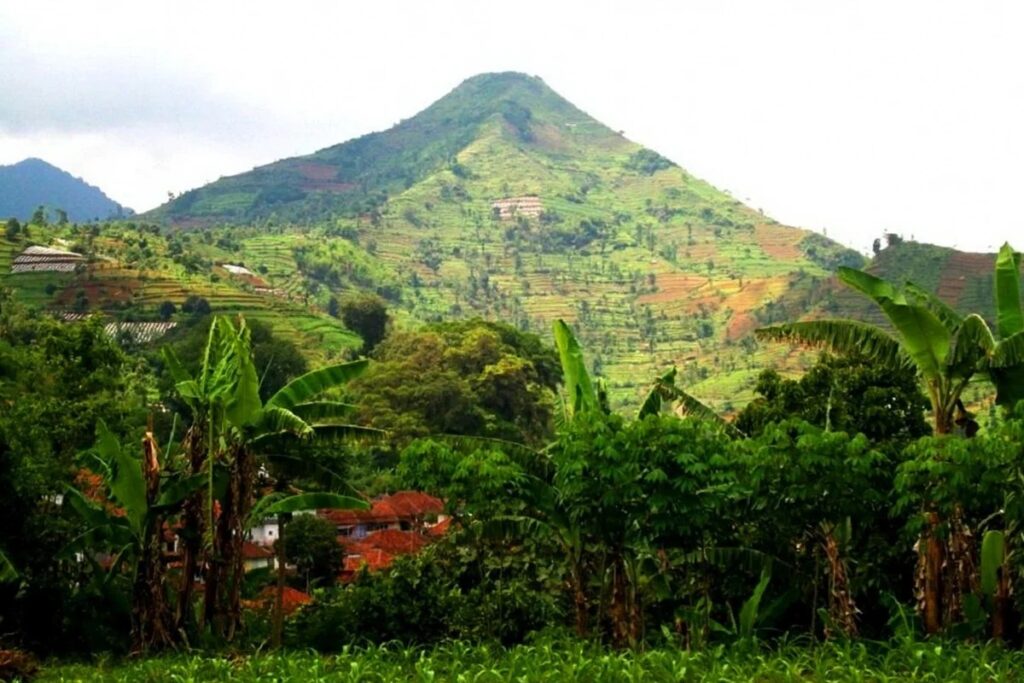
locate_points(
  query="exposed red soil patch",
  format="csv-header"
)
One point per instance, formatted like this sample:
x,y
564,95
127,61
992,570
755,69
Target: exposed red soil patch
x,y
99,291
673,287
959,269
779,242
313,171
740,325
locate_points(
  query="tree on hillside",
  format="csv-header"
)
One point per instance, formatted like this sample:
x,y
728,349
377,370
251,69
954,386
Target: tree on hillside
x,y
39,216
367,316
470,378
166,310
844,394
196,305
12,229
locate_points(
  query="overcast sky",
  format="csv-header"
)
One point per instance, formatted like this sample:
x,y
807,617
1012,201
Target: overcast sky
x,y
853,118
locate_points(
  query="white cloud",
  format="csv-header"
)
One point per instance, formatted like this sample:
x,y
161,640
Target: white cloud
x,y
851,117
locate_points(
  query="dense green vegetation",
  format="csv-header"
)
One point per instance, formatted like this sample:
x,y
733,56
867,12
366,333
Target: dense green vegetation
x,y
574,661
334,336
839,516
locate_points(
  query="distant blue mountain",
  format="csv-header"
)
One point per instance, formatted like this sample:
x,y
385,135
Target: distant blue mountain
x,y
31,183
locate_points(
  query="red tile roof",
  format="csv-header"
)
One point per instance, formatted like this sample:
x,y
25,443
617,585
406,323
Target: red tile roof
x,y
397,507
391,541
378,549
291,599
251,551
441,528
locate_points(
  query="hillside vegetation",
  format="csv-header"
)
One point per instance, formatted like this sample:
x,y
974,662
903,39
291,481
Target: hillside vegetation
x,y
504,200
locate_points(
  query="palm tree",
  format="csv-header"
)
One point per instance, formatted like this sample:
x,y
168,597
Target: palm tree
x,y
946,349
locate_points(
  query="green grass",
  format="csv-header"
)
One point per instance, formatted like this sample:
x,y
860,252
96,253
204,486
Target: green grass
x,y
563,662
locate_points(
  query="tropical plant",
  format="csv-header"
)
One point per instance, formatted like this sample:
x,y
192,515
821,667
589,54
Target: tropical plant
x,y
580,394
131,529
231,425
946,349
664,392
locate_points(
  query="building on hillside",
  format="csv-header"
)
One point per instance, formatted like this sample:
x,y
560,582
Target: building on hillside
x,y
399,524
257,556
138,332
508,208
237,270
44,259
402,511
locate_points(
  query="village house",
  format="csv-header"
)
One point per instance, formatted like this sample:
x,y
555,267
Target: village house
x,y
398,524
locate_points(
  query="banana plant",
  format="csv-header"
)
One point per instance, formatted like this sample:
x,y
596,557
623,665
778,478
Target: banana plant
x,y
7,571
580,393
946,349
142,496
664,392
231,427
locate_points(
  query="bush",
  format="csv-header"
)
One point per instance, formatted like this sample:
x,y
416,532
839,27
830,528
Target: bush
x,y
422,599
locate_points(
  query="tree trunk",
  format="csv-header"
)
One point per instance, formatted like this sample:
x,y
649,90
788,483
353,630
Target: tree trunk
x,y
235,562
1001,604
932,575
191,533
277,635
619,609
841,607
580,602
961,568
151,622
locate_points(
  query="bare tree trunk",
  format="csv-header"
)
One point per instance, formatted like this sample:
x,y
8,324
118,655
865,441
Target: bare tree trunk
x,y
277,636
841,607
930,575
191,532
151,619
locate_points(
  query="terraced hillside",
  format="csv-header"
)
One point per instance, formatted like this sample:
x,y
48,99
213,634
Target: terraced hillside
x,y
961,279
130,273
504,200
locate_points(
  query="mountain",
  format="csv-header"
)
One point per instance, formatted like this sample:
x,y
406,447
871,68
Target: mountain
x,y
31,183
359,175
506,201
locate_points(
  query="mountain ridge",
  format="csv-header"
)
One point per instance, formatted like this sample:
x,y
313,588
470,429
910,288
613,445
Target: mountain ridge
x,y
34,182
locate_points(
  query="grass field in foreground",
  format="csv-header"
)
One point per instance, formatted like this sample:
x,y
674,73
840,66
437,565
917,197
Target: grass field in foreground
x,y
929,661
